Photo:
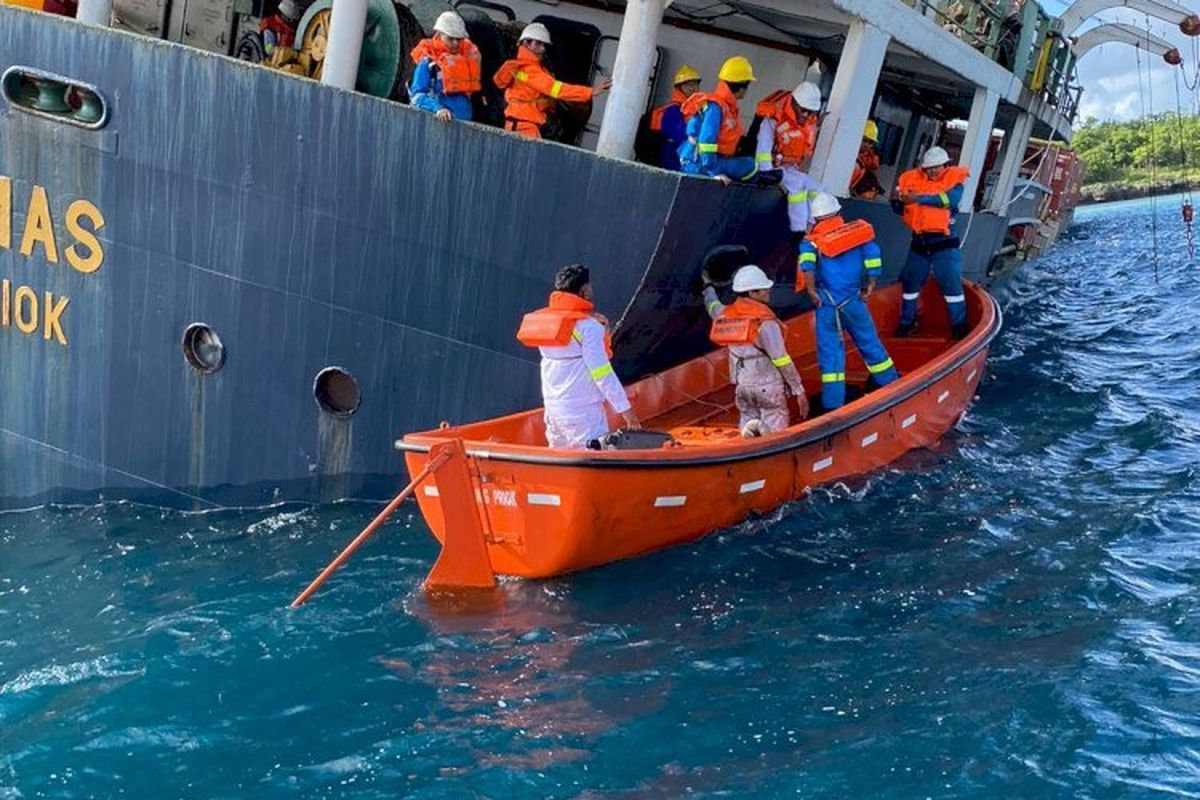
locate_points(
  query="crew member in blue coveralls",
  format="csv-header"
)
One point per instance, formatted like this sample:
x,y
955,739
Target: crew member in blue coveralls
x,y
449,70
667,119
929,195
714,127
838,266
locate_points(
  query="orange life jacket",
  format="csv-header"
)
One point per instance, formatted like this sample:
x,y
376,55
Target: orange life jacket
x,y
928,219
795,136
740,322
656,116
835,236
554,325
731,124
530,90
461,72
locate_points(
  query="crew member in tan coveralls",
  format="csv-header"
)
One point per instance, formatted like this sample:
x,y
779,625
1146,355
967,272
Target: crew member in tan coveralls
x,y
759,364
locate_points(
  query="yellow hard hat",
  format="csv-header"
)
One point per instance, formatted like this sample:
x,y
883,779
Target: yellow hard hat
x,y
686,74
871,132
736,70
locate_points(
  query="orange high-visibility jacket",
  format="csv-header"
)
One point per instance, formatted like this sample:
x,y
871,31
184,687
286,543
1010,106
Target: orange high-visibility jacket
x,y
554,325
530,90
461,72
930,219
739,322
795,136
731,124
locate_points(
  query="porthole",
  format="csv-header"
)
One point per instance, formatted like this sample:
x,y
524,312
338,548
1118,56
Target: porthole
x,y
51,96
203,348
336,392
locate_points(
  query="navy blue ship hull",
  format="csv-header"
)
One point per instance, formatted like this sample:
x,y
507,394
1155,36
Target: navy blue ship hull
x,y
311,227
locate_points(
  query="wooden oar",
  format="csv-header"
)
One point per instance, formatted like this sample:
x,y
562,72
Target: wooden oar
x,y
430,467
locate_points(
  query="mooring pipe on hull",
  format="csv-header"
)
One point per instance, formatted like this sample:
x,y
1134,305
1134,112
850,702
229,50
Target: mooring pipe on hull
x,y
431,467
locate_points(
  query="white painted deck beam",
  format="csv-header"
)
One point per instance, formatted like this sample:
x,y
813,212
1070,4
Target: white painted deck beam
x,y
636,53
923,36
975,142
849,106
1123,34
1081,10
346,26
1016,141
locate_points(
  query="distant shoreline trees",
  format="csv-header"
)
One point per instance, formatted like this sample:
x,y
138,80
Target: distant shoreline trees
x,y
1123,152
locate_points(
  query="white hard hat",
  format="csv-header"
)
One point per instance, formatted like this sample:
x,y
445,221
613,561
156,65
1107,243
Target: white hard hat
x,y
289,10
935,157
807,96
825,205
451,24
749,278
537,32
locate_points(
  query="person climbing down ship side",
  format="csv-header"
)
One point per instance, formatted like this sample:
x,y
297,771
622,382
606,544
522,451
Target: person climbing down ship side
x,y
759,364
929,195
787,138
714,127
577,376
838,266
449,69
530,90
864,181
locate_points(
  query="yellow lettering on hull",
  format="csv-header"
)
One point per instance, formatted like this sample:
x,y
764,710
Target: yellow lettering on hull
x,y
84,238
39,228
22,309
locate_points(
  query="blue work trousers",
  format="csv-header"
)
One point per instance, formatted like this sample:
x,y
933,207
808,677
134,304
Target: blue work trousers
x,y
850,315
739,169
947,268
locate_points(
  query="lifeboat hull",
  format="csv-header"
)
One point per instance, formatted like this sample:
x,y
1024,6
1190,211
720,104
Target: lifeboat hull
x,y
547,512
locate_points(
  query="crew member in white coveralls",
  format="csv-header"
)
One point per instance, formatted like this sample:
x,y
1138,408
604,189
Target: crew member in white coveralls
x,y
577,376
787,138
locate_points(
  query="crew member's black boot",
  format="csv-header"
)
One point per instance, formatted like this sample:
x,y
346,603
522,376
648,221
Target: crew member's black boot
x,y
959,331
905,329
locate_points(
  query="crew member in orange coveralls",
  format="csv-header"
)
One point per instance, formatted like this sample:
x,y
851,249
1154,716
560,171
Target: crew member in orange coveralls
x,y
530,90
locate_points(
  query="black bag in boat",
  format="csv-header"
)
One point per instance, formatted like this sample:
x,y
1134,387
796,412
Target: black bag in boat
x,y
929,243
631,440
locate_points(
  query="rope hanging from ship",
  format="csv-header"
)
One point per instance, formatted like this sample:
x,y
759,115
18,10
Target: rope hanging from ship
x,y
1188,209
1148,121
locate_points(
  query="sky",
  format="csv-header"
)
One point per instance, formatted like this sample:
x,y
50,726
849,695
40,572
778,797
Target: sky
x,y
1109,73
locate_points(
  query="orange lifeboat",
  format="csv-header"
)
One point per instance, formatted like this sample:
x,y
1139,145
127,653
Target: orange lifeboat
x,y
544,512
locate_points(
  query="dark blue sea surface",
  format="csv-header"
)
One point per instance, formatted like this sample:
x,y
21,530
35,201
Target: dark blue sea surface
x,y
1012,614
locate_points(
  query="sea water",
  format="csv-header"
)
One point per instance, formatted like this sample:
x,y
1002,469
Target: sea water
x,y
1010,614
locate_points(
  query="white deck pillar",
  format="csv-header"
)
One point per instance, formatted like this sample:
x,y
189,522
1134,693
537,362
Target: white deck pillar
x,y
95,12
1015,144
975,142
636,53
849,106
346,26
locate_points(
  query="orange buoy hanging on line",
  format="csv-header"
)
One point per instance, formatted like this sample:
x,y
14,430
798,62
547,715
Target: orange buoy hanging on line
x,y
1190,26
